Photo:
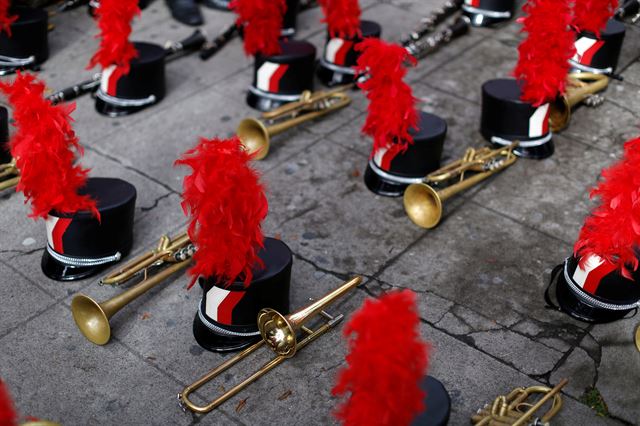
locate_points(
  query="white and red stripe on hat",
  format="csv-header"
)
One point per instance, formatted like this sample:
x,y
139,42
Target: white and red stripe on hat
x,y
56,227
109,80
269,75
586,48
220,304
539,121
383,156
336,50
473,3
590,274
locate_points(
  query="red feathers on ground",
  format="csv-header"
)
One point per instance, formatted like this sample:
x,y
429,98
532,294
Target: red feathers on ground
x,y
392,107
5,19
8,415
543,63
613,229
386,362
226,203
593,15
45,147
342,17
261,23
114,21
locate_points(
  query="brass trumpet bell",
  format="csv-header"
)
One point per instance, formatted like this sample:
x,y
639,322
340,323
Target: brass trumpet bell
x,y
256,134
423,204
581,87
279,333
9,175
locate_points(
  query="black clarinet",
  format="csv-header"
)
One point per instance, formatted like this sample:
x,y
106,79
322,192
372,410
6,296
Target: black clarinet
x,y
194,42
428,25
427,45
71,4
630,9
76,90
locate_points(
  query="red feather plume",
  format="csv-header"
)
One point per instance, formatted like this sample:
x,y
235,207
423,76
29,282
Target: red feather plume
x,y
612,232
45,147
392,107
593,15
5,19
8,415
114,20
342,17
543,63
226,203
261,23
385,365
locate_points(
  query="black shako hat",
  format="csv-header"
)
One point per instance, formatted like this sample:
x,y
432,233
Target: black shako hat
x,y
282,78
288,21
227,315
143,86
595,292
506,119
28,45
598,54
5,154
437,403
78,245
483,13
389,173
339,57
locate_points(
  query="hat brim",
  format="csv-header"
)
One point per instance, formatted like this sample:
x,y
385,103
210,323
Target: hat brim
x,y
218,343
61,272
113,111
378,185
438,404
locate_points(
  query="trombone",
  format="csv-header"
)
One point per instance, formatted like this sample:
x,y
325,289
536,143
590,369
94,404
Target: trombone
x,y
581,87
92,318
423,203
9,175
279,333
508,410
255,133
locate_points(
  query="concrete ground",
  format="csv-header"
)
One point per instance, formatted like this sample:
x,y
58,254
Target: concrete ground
x,y
479,276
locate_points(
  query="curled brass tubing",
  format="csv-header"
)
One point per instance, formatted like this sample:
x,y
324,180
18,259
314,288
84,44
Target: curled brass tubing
x,y
423,203
581,87
256,133
280,334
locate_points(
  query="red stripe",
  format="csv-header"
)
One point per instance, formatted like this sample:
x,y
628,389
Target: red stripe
x,y
475,3
57,233
341,54
545,123
587,56
225,308
112,83
389,155
274,81
595,276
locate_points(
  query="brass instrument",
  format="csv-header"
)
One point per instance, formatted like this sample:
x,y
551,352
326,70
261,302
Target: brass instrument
x,y
92,318
280,334
638,338
428,25
423,203
9,175
427,45
255,133
581,87
509,410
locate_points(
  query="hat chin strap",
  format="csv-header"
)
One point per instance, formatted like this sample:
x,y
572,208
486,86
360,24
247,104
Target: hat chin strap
x,y
125,102
486,12
13,63
586,68
82,261
219,330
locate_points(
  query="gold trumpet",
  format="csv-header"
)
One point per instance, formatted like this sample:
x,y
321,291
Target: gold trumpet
x,y
9,175
92,318
280,334
255,133
581,87
508,410
423,203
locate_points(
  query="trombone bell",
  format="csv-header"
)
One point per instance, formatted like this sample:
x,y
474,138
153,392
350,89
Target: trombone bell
x,y
254,136
423,205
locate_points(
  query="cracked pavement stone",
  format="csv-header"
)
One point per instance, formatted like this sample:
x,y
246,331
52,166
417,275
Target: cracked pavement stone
x,y
580,369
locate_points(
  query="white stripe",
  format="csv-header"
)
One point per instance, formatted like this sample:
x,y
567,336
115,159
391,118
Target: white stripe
x,y
536,122
106,74
51,224
580,275
265,72
215,297
333,46
379,155
582,45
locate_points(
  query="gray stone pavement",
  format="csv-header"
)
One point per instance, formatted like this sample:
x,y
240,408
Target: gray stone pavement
x,y
479,276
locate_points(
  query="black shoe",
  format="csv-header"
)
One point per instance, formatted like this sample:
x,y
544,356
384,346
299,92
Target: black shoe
x,y
186,11
216,4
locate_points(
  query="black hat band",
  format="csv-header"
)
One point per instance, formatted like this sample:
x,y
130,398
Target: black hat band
x,y
485,12
217,328
393,178
215,312
589,300
337,68
522,144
